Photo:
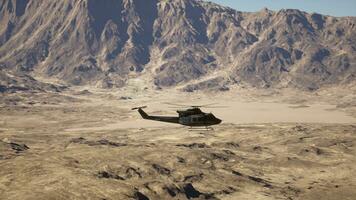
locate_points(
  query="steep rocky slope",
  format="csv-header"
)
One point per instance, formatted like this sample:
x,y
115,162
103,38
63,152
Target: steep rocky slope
x,y
12,83
187,43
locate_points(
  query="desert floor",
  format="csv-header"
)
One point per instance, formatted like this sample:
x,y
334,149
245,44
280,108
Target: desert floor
x,y
86,143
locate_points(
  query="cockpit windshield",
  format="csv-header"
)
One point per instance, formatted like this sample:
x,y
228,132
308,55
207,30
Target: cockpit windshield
x,y
210,116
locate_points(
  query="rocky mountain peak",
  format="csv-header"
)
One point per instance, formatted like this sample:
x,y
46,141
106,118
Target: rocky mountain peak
x,y
186,43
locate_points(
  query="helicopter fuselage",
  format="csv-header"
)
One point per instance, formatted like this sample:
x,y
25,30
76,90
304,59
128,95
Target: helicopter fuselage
x,y
199,120
191,117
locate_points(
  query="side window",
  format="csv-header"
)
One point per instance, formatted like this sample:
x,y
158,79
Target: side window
x,y
186,119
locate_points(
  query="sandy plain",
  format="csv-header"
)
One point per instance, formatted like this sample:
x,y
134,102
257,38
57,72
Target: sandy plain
x,y
86,143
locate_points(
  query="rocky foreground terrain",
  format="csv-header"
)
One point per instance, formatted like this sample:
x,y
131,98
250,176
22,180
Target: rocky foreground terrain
x,y
88,144
189,44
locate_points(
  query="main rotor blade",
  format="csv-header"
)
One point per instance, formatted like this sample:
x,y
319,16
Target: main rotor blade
x,y
204,105
174,104
210,105
216,106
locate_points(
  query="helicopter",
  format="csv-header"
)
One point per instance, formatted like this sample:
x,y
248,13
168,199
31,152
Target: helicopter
x,y
193,117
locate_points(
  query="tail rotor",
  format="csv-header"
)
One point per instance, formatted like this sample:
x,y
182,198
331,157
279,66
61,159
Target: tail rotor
x,y
141,107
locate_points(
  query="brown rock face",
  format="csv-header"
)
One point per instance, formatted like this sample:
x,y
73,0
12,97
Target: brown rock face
x,y
175,43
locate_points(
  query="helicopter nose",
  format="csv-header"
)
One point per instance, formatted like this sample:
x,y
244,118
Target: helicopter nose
x,y
218,121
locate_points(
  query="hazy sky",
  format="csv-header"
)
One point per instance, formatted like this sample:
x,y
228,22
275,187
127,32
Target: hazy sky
x,y
328,7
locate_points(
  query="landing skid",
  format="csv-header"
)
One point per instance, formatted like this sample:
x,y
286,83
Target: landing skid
x,y
207,128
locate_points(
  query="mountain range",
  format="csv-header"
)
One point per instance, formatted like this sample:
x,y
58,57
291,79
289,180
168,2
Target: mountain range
x,y
189,44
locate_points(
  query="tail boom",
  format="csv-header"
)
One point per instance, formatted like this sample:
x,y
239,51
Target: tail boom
x,y
167,119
